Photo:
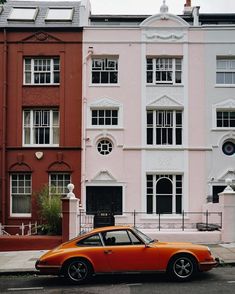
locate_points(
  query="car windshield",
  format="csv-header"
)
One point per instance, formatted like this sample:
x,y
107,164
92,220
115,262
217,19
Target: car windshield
x,y
144,237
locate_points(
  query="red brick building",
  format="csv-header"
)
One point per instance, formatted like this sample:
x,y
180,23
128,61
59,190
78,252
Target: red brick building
x,y
40,103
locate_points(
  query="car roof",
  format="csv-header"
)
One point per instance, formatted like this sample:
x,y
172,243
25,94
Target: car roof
x,y
111,228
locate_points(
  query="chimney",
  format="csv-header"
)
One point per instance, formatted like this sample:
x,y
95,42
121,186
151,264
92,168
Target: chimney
x,y
195,13
187,7
188,3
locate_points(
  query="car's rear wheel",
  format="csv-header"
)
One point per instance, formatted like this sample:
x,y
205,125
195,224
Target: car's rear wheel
x,y
77,271
182,268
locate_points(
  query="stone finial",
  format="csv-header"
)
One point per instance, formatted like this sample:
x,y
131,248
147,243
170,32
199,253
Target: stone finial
x,y
164,8
70,188
228,182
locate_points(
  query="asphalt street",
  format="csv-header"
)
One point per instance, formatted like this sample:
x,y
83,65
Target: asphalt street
x,y
220,280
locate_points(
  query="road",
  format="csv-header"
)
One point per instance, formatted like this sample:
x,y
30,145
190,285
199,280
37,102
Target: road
x,y
219,280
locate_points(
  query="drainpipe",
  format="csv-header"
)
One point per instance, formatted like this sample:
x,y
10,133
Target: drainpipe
x,y
84,120
4,122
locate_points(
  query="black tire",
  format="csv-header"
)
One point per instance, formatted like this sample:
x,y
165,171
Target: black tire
x,y
182,268
77,271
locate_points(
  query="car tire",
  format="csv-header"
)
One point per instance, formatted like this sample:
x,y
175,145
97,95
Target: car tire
x,y
77,271
182,267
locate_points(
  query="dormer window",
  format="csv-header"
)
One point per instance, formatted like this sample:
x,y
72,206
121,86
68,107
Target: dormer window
x,y
59,14
23,14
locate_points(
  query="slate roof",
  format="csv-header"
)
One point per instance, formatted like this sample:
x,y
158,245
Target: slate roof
x,y
42,12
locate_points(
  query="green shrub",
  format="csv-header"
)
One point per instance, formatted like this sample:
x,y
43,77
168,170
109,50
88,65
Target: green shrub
x,y
50,211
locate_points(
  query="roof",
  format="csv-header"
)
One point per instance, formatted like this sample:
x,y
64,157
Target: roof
x,y
42,8
135,20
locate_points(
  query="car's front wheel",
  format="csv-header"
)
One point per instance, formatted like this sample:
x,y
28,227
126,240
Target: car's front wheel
x,y
182,268
77,271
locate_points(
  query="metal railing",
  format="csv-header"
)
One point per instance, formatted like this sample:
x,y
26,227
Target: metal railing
x,y
24,229
205,221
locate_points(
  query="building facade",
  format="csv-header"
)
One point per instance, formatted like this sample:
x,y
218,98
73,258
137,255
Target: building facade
x,y
158,114
137,111
41,98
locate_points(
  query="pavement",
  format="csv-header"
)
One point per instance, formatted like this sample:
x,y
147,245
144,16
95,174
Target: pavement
x,y
22,262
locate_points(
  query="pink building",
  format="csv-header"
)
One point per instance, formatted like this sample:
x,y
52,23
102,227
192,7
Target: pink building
x,y
150,86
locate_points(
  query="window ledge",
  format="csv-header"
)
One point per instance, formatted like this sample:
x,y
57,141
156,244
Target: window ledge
x,y
98,128
41,85
105,85
222,129
40,146
165,85
224,85
21,215
164,147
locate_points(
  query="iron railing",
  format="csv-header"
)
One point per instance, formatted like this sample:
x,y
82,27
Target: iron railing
x,y
24,229
185,221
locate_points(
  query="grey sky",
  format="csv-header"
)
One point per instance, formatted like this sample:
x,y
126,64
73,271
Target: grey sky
x,y
153,6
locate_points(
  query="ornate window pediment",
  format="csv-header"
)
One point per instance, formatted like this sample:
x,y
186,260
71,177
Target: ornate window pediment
x,y
105,113
165,102
104,176
105,103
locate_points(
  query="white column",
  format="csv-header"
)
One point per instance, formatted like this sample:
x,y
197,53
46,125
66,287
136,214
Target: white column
x,y
73,212
227,201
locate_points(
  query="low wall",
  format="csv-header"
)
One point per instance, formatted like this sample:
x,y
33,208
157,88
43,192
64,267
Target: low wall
x,y
185,236
18,243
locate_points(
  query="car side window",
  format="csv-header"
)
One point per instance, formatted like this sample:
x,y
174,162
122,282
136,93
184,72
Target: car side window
x,y
93,240
134,239
116,238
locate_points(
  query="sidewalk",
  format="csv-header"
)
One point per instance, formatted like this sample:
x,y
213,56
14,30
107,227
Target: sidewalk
x,y
16,262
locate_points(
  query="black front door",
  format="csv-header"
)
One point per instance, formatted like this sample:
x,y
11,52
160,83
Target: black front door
x,y
104,199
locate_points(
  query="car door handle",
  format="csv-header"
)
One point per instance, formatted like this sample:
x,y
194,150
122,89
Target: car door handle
x,y
108,251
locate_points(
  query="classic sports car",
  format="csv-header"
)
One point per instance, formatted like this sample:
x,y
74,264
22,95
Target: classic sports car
x,y
123,249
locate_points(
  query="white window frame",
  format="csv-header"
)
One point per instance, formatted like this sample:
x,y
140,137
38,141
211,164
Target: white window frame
x,y
104,117
174,194
224,106
31,127
100,146
226,68
156,126
152,68
57,188
29,70
105,104
105,68
223,119
21,193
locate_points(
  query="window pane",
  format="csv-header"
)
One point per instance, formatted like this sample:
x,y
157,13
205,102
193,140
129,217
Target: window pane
x,y
56,135
178,77
95,77
104,77
228,78
21,204
178,136
221,64
150,136
28,77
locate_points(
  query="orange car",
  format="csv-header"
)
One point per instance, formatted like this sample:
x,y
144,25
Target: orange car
x,y
123,249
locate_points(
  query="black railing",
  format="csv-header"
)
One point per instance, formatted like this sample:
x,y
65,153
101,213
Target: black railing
x,y
205,221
